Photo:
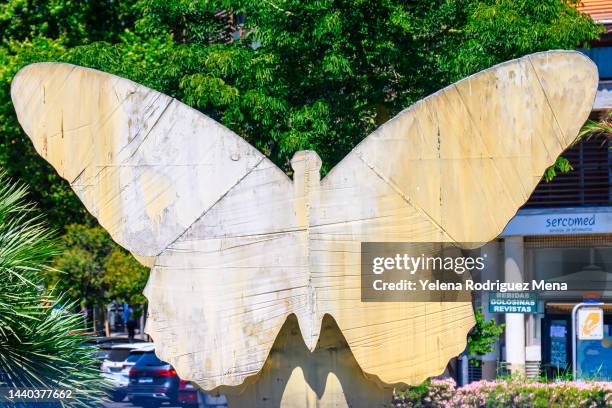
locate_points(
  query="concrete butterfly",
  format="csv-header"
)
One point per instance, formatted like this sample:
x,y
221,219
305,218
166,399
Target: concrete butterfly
x,y
236,246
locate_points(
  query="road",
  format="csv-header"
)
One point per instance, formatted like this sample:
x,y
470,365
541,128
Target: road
x,y
126,404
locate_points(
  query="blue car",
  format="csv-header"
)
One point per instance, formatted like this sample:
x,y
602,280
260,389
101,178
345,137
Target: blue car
x,y
152,382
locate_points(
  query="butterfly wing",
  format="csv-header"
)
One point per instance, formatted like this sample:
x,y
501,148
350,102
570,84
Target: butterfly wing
x,y
220,294
454,167
144,164
211,215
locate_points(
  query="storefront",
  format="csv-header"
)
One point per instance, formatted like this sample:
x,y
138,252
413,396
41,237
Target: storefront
x,y
594,357
570,245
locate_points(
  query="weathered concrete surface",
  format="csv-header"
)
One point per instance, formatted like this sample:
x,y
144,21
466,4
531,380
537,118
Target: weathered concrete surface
x,y
237,247
295,377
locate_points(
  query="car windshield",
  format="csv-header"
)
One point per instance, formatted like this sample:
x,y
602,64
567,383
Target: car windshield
x,y
118,354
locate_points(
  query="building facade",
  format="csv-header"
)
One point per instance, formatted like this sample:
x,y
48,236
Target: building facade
x,y
562,234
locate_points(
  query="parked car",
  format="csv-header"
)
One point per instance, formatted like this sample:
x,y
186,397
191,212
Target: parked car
x,y
105,344
131,360
187,394
191,397
152,381
114,364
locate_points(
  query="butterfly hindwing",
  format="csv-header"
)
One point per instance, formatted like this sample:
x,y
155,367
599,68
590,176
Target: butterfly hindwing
x,y
220,294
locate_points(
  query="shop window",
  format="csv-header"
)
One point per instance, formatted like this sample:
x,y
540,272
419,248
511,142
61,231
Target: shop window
x,y
584,266
558,332
556,346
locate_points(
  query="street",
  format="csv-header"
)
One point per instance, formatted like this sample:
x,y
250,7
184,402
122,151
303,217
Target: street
x,y
127,404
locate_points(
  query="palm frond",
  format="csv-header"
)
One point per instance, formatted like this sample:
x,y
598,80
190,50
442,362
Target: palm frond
x,y
41,339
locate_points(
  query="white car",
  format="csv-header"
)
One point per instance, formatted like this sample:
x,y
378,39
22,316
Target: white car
x,y
114,364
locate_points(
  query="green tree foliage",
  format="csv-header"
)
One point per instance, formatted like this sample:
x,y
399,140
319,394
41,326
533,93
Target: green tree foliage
x,y
597,128
41,340
93,270
318,74
75,22
38,30
483,336
306,75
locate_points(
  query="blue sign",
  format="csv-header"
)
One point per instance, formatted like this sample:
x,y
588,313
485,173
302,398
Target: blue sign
x,y
559,221
513,302
594,357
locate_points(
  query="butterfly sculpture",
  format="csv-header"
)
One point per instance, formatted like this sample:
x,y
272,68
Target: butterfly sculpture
x,y
236,246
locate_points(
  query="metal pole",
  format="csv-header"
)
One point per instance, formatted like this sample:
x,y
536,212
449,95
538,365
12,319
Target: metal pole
x,y
574,358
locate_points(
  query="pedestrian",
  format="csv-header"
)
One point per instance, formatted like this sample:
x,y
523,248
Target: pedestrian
x,y
131,327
